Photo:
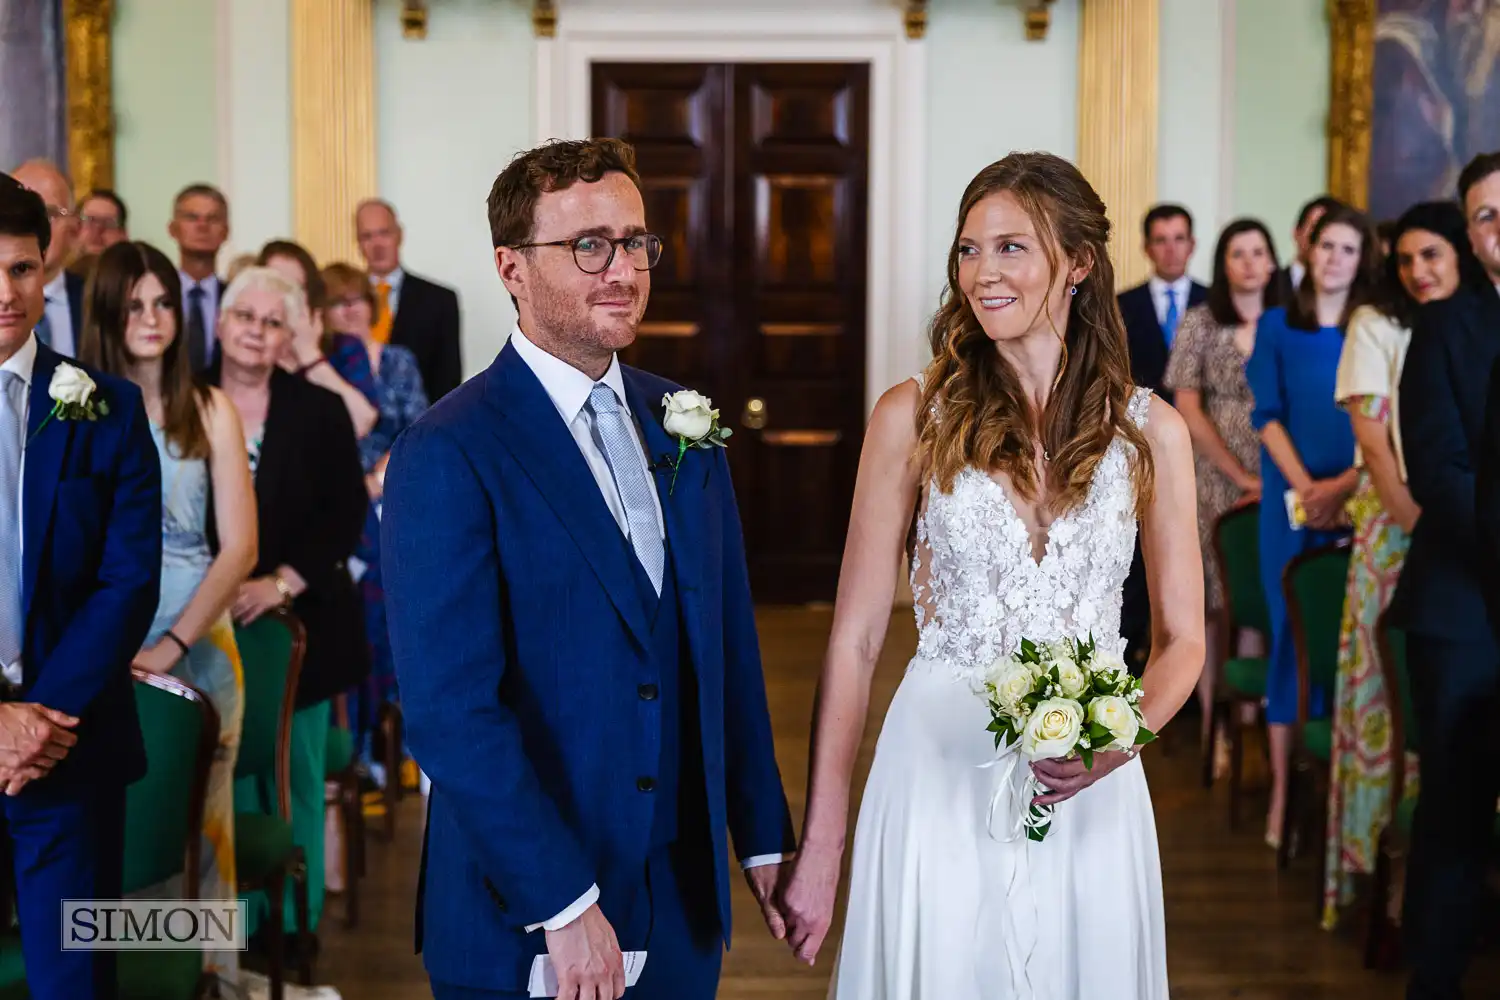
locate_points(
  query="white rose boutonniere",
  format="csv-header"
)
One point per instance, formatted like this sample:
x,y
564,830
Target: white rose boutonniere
x,y
74,397
691,418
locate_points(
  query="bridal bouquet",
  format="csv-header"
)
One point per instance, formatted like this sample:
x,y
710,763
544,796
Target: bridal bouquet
x,y
1061,699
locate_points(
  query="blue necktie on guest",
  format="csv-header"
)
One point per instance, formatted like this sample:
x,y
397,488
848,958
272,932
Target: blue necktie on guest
x,y
1169,326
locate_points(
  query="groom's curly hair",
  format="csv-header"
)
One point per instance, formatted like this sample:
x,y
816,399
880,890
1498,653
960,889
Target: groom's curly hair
x,y
554,166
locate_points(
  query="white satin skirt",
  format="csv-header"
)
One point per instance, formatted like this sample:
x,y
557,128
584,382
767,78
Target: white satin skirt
x,y
940,907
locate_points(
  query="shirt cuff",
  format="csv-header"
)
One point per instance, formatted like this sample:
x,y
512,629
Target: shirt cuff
x,y
760,860
569,915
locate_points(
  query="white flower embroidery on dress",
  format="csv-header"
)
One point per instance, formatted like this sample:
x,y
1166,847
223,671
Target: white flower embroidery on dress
x,y
978,589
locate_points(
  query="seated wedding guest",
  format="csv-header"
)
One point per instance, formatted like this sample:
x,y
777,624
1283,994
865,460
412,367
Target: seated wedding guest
x,y
310,501
61,324
90,531
1430,259
1452,654
395,386
1206,373
304,353
1307,458
103,219
133,315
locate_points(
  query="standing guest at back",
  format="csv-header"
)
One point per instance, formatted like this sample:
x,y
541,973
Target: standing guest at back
x,y
200,225
61,324
411,311
1430,260
134,319
1440,600
1152,311
1289,278
1207,374
1307,451
80,570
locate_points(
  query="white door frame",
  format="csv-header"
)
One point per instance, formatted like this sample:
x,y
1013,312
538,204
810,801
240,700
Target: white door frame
x,y
897,196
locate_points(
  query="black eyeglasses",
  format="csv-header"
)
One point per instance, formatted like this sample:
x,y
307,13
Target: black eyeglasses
x,y
594,254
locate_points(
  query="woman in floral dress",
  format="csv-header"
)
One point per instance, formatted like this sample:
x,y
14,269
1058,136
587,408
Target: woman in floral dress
x,y
1430,258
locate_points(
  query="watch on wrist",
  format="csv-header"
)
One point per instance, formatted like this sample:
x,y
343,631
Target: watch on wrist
x,y
282,588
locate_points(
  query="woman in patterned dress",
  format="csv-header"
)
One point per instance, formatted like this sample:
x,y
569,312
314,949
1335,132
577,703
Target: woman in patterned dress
x,y
1206,371
389,374
1430,259
134,312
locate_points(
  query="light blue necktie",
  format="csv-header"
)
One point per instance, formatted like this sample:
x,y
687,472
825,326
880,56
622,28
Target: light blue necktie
x,y
12,405
1169,328
630,479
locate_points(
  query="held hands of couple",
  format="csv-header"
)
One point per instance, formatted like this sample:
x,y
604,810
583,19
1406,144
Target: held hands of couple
x,y
807,898
33,738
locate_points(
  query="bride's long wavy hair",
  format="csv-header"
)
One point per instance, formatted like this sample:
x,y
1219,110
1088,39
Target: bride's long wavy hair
x,y
974,410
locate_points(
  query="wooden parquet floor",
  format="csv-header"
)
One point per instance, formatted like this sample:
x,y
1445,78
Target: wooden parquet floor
x,y
1236,927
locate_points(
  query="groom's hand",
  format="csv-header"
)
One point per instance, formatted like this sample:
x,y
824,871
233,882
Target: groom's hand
x,y
764,881
586,956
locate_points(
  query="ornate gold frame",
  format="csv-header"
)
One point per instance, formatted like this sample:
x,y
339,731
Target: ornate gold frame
x,y
91,115
1351,32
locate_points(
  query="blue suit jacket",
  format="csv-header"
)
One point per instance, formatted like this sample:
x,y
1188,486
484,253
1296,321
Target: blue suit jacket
x,y
91,570
520,643
1454,345
1145,337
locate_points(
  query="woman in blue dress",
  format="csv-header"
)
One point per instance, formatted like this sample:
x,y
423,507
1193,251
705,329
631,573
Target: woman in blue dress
x,y
134,315
389,375
1307,453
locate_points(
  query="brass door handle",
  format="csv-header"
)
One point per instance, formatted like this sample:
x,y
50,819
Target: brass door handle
x,y
754,417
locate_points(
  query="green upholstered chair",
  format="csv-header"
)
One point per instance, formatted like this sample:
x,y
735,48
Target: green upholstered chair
x,y
265,855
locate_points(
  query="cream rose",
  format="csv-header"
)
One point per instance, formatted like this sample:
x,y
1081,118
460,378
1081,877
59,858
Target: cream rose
x,y
71,386
1116,715
1053,729
1071,678
1012,680
690,415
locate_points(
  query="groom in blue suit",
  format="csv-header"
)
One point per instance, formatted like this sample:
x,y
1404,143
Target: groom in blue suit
x,y
573,632
80,568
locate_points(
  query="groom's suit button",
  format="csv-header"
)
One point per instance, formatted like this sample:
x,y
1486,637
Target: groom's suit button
x,y
645,784
647,692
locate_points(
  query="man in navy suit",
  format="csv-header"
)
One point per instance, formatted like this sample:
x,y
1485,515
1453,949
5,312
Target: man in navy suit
x,y
200,226
61,325
1152,310
80,567
573,632
1440,600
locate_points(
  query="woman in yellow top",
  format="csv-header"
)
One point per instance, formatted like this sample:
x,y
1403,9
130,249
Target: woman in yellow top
x,y
1430,258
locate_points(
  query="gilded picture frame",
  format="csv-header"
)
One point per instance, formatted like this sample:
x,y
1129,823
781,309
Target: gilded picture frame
x,y
1351,25
91,116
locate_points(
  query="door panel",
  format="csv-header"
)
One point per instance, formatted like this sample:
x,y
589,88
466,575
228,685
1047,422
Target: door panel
x,y
756,178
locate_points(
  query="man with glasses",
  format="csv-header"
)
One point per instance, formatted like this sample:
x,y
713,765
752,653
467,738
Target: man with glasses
x,y
573,633
104,219
61,325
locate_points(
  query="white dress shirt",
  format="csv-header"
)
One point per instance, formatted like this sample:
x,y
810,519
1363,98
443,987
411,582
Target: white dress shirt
x,y
569,389
1180,288
395,279
210,286
59,317
21,364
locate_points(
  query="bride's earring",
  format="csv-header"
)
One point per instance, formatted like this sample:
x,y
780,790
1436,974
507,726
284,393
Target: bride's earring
x,y
1073,290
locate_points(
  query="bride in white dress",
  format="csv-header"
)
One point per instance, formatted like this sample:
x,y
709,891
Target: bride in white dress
x,y
1029,466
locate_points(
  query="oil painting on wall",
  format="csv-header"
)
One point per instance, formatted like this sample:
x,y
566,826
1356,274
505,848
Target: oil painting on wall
x,y
33,86
1435,97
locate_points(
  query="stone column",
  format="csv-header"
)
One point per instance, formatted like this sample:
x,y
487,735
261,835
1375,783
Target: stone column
x,y
1117,115
333,122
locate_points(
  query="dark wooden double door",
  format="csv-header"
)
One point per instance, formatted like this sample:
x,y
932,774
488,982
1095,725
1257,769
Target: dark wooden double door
x,y
755,177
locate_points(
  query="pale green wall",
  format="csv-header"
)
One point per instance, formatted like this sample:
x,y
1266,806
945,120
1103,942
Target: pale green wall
x,y
1281,110
166,107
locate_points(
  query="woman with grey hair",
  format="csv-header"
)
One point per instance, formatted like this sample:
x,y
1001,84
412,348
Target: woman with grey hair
x,y
310,498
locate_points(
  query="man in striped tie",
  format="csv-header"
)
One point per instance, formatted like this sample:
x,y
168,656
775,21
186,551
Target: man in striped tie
x,y
573,633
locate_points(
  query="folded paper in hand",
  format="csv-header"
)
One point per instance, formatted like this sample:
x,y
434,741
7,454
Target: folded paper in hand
x,y
544,976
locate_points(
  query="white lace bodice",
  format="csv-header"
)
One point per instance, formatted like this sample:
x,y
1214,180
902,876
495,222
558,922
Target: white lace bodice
x,y
978,589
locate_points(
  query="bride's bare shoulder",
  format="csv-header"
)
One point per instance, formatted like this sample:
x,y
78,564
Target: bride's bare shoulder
x,y
894,421
1167,434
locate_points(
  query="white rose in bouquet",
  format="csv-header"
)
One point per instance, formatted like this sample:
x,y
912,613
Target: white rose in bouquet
x,y
1012,680
1118,716
1053,729
1072,679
